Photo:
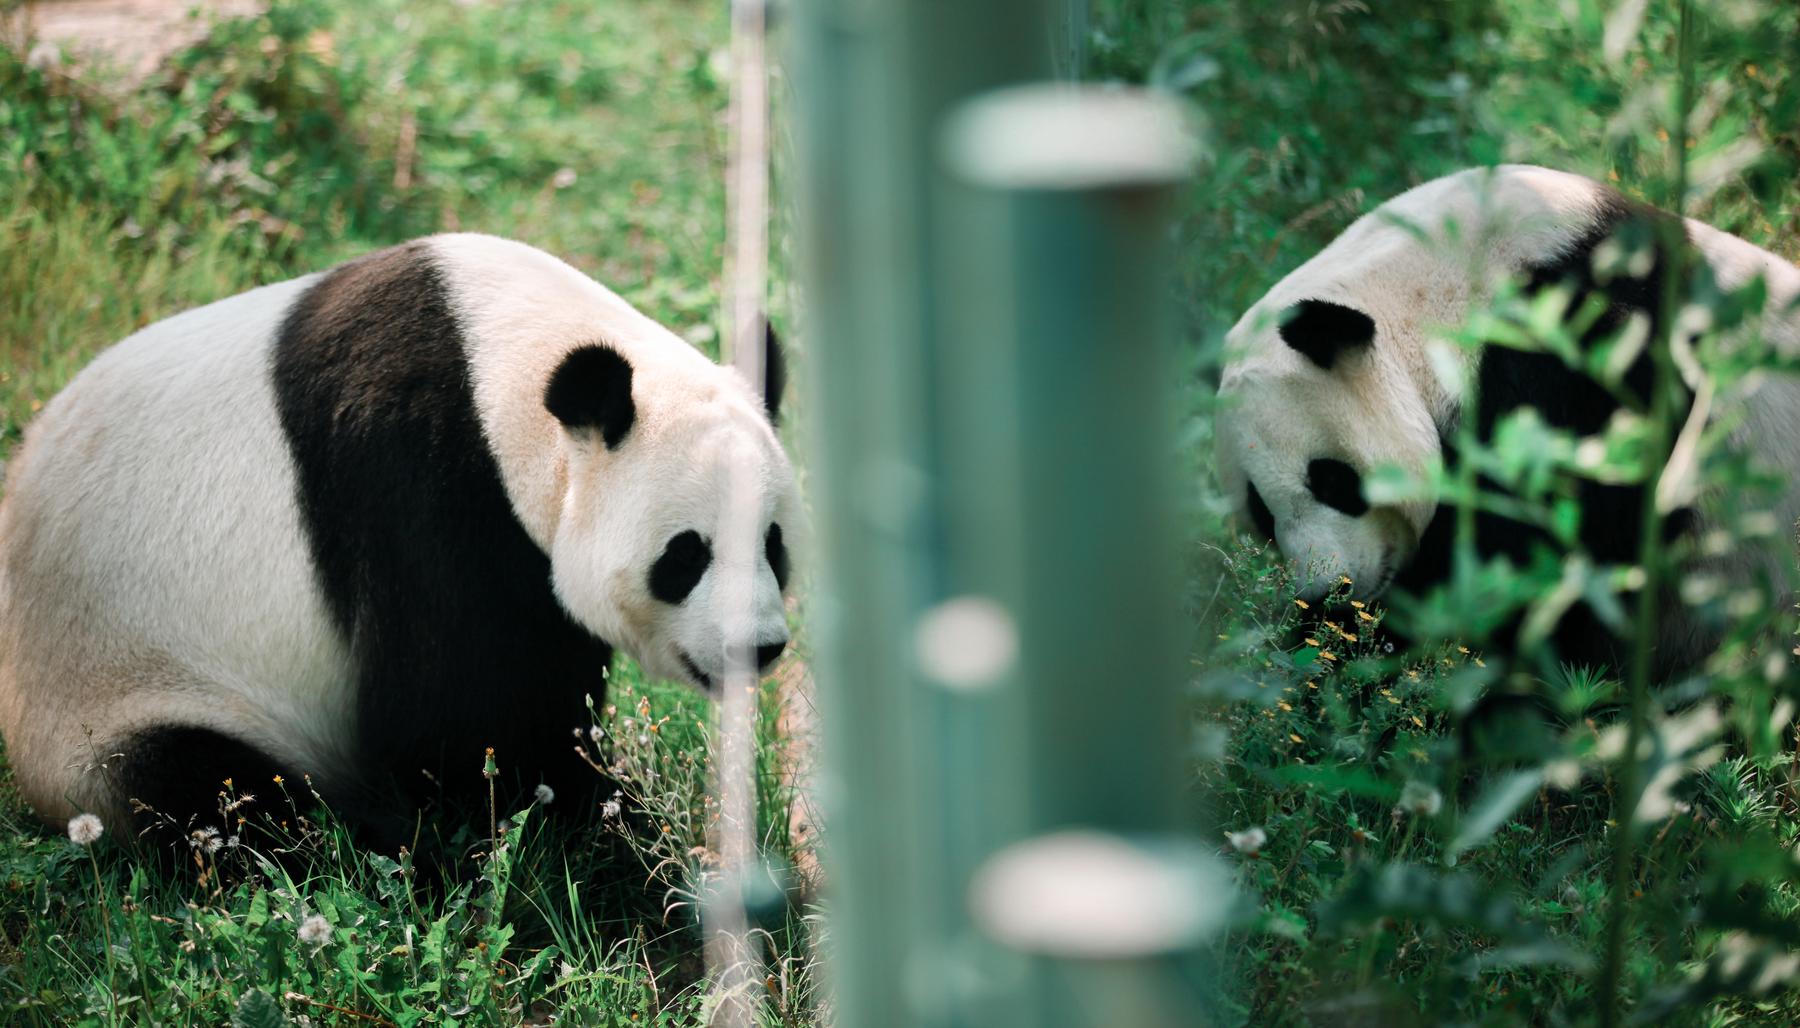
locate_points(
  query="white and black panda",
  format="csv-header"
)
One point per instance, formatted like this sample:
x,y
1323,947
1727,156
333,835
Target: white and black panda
x,y
1334,372
366,523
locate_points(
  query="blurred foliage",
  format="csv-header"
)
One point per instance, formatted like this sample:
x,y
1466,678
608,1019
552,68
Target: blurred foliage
x,y
1429,832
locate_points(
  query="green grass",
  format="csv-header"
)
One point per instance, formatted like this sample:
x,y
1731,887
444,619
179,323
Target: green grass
x,y
1435,846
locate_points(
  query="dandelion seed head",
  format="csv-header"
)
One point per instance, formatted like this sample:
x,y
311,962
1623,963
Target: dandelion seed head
x,y
545,794
1419,799
1250,841
315,930
85,829
44,56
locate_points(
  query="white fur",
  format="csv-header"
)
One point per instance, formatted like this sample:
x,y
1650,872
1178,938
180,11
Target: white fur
x,y
1417,266
151,560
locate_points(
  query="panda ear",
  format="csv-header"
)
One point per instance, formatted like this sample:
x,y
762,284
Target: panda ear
x,y
591,391
774,372
1323,330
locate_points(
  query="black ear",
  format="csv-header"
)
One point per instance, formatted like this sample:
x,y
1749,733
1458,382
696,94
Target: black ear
x,y
1323,330
591,390
774,373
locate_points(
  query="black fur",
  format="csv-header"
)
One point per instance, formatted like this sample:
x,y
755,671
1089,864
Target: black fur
x,y
777,554
185,779
1323,330
768,653
682,564
1261,518
1336,485
179,772
441,595
591,389
774,373
1508,379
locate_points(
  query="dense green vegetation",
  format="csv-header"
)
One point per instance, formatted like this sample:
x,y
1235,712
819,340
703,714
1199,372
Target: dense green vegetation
x,y
1430,836
1416,841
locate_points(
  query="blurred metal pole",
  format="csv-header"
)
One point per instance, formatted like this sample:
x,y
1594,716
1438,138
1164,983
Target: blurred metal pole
x,y
995,606
1069,38
870,81
1057,259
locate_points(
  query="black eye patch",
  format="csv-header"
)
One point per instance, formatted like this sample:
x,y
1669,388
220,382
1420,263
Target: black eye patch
x,y
680,567
777,554
1260,515
1336,485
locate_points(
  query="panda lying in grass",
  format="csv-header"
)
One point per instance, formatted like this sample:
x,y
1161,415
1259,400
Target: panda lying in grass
x,y
1330,375
363,525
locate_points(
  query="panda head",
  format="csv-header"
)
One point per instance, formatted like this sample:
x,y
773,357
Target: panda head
x,y
1311,405
1344,366
678,506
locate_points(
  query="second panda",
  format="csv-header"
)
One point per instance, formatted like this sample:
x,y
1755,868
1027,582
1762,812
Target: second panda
x,y
1331,374
366,523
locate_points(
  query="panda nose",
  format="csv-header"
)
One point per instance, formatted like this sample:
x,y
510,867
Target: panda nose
x,y
768,653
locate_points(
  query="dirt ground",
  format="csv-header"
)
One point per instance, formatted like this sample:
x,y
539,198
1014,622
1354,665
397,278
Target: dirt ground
x,y
132,35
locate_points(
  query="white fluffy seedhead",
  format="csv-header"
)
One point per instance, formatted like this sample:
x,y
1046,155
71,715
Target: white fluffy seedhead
x,y
678,508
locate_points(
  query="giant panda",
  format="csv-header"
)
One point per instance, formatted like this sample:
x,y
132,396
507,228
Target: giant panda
x,y
361,526
1334,372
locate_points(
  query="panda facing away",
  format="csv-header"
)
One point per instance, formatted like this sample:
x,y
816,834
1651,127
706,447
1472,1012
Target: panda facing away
x,y
366,523
1332,373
